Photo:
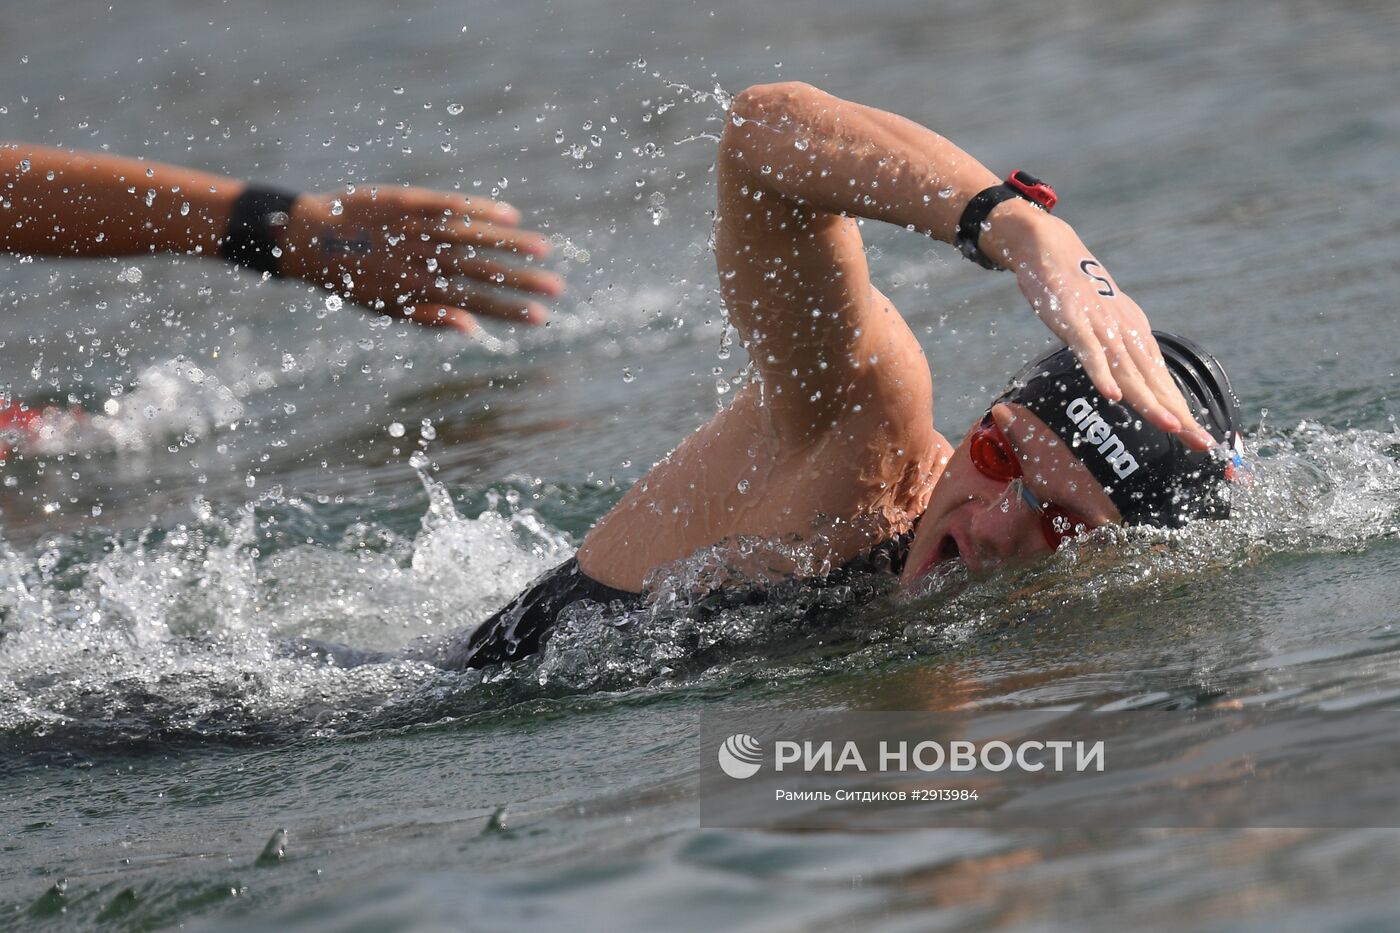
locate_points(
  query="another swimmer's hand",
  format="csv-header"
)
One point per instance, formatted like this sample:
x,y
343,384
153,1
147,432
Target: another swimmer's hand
x,y
1078,300
437,259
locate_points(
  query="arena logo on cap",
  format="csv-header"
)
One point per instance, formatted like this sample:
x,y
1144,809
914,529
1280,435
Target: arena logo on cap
x,y
1097,432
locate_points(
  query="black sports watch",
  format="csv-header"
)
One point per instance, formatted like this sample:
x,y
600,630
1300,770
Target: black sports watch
x,y
1018,184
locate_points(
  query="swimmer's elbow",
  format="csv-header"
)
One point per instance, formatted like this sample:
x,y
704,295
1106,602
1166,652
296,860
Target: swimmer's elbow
x,y
767,102
763,105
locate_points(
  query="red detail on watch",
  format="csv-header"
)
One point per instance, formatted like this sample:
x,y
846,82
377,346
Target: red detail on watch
x,y
1032,189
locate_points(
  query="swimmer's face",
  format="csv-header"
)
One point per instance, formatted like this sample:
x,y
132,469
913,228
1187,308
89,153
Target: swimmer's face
x,y
987,523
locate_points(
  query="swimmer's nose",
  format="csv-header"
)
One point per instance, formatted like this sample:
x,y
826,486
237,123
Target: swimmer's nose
x,y
1003,532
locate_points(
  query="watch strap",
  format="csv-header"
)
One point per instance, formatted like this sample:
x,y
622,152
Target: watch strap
x,y
1018,184
249,239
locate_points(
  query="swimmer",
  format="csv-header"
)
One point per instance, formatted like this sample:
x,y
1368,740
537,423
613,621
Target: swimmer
x,y
835,444
434,258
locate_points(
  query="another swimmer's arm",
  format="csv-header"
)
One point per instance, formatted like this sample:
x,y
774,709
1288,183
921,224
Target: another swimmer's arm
x,y
429,256
840,157
55,202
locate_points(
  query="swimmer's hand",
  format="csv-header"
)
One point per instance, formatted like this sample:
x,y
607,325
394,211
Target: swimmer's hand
x,y
434,258
1075,297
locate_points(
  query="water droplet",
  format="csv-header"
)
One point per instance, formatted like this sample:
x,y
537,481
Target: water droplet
x,y
627,375
396,429
743,486
945,193
337,208
455,109
398,90
334,303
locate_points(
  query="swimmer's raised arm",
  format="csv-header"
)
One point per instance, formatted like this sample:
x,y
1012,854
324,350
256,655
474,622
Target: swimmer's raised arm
x,y
797,163
400,251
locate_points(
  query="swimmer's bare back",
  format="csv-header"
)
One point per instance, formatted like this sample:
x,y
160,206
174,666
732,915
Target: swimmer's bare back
x,y
835,442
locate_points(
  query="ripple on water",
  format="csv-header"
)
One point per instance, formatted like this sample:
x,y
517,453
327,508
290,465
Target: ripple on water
x,y
182,631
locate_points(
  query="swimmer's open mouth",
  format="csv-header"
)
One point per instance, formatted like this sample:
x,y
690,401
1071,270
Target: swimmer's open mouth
x,y
943,556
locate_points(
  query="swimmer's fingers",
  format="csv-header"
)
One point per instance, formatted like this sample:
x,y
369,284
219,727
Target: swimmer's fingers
x,y
1141,375
433,315
500,274
1168,409
1137,391
501,307
490,236
1148,358
441,207
1067,315
1089,349
1145,395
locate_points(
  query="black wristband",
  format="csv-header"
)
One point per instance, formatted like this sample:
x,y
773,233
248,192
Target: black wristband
x,y
248,240
974,215
1018,184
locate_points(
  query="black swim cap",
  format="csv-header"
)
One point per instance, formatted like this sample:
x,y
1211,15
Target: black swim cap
x,y
1151,476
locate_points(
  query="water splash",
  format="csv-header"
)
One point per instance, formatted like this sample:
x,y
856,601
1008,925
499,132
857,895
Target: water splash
x,y
176,398
184,631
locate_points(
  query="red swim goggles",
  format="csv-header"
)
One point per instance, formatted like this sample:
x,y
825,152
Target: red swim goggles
x,y
995,459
